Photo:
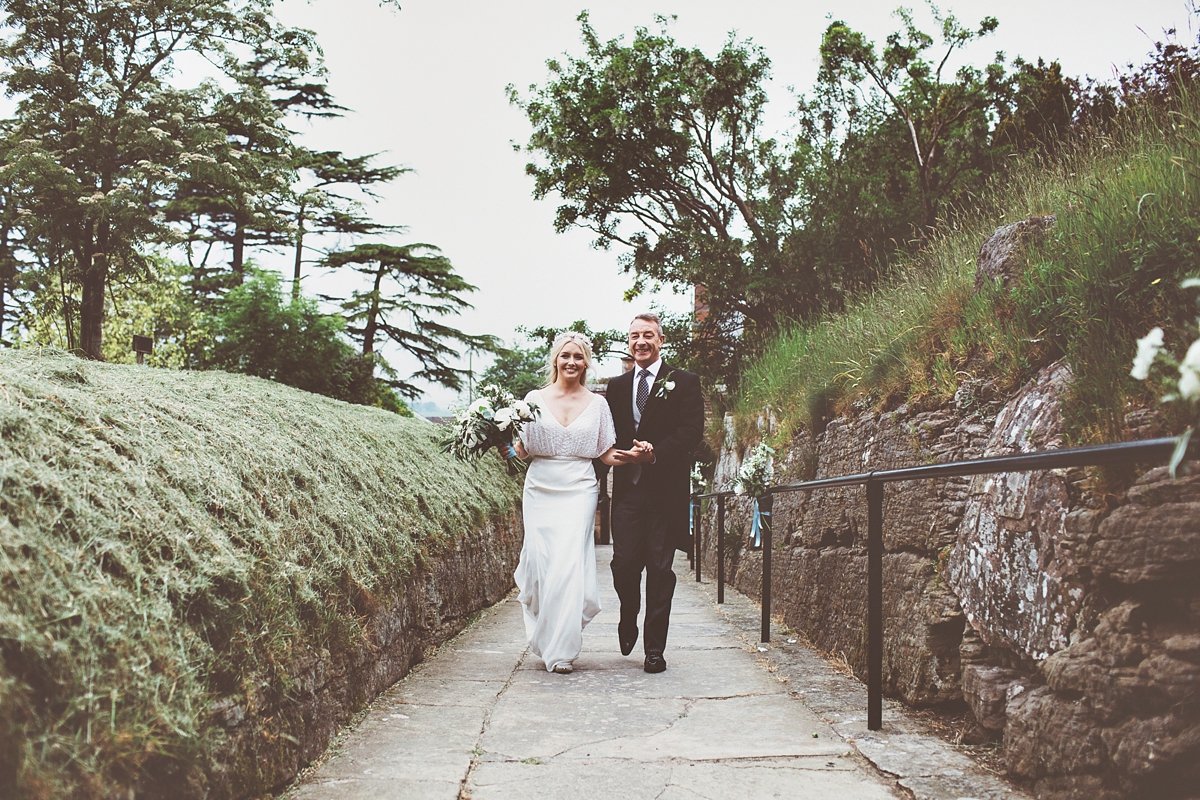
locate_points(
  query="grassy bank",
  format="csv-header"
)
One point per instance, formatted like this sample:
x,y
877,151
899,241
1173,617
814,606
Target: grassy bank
x,y
170,537
1128,231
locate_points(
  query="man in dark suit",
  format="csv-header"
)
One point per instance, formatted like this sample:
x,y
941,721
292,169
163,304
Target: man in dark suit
x,y
659,415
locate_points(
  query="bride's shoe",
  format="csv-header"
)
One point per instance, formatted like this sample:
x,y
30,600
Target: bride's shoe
x,y
563,669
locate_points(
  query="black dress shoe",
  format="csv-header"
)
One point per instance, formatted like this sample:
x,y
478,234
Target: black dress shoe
x,y
655,663
628,636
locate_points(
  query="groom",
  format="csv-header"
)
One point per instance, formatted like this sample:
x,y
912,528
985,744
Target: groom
x,y
659,416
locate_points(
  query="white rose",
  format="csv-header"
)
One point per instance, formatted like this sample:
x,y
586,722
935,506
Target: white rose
x,y
1189,373
523,409
1148,347
503,417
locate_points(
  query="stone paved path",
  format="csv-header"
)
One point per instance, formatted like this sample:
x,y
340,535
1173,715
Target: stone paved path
x,y
483,719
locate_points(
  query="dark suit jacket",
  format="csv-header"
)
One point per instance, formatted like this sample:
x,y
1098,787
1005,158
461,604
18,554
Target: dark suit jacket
x,y
674,425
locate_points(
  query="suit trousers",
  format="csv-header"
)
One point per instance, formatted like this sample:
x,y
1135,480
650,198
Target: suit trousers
x,y
641,542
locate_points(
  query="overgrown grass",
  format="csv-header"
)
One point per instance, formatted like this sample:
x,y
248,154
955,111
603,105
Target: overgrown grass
x,y
1128,230
170,537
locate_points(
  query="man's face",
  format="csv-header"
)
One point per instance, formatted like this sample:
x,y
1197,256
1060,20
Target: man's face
x,y
644,342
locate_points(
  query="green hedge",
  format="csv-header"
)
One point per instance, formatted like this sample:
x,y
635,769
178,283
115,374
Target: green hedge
x,y
171,537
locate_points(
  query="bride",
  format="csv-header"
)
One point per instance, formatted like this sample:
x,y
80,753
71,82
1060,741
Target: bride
x,y
556,575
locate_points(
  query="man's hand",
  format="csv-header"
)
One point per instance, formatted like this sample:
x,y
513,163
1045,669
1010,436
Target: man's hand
x,y
640,453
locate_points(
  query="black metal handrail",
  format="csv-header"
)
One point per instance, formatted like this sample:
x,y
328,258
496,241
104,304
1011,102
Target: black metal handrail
x,y
1149,450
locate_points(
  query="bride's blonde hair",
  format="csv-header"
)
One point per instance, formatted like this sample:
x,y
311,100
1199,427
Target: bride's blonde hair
x,y
560,341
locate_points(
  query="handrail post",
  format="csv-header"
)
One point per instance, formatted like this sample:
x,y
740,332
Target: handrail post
x,y
874,604
764,530
697,527
720,549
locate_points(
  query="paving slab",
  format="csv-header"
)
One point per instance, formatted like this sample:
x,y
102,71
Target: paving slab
x,y
483,719
924,765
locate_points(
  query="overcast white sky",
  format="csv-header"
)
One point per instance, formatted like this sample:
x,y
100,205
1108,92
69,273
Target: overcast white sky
x,y
426,85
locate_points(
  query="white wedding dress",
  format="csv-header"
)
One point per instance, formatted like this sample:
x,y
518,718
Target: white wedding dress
x,y
556,575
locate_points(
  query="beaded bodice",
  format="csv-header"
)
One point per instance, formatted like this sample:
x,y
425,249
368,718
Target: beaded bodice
x,y
588,436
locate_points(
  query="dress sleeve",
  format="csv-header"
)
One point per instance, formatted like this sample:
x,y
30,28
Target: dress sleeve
x,y
607,435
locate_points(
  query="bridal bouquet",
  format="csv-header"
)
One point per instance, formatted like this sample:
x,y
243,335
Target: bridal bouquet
x,y
491,421
756,473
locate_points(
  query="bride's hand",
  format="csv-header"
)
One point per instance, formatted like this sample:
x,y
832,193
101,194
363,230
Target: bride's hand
x,y
640,453
514,450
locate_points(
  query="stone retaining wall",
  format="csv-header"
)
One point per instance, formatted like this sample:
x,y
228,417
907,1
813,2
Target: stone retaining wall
x,y
271,736
1069,625
1070,631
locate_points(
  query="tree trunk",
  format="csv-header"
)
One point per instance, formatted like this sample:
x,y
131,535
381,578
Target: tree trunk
x,y
91,309
299,252
94,270
57,264
8,276
238,264
928,202
372,321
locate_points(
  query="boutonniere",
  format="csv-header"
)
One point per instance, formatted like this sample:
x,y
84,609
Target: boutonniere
x,y
663,388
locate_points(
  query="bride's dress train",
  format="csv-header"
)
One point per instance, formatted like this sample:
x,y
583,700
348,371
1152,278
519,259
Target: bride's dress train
x,y
556,576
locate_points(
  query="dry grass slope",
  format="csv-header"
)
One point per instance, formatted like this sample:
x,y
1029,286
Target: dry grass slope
x,y
167,537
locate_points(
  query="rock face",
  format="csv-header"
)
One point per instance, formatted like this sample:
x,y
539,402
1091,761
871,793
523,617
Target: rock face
x,y
1002,256
270,737
1131,686
819,567
1082,646
1068,625
1016,581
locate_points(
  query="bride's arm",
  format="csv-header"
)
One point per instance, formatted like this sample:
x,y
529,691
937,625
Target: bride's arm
x,y
615,458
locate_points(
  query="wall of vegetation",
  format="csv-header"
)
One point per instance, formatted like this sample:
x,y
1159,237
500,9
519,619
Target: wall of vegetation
x,y
1126,233
174,544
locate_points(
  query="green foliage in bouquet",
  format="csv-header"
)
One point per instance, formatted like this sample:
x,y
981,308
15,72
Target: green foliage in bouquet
x,y
490,421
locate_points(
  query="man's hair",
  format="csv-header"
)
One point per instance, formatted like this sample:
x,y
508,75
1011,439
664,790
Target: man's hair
x,y
649,316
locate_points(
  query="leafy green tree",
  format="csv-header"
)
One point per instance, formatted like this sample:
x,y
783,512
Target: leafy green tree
x,y
519,370
946,119
411,287
159,306
610,342
247,204
13,271
327,205
1039,109
102,138
657,147
256,332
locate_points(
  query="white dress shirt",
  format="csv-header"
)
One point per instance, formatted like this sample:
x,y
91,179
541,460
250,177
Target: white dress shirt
x,y
637,379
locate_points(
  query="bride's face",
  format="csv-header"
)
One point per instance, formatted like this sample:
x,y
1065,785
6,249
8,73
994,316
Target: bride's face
x,y
571,363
